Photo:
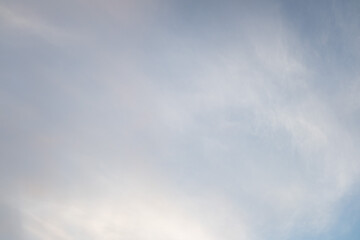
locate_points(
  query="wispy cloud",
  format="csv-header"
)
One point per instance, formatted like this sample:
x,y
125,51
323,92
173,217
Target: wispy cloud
x,y
161,123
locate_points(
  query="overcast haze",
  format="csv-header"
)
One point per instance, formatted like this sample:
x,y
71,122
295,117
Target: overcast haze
x,y
179,120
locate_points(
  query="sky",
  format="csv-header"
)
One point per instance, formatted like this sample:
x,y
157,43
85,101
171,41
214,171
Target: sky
x,y
179,120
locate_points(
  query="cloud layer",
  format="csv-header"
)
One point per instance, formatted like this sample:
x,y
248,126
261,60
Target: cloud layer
x,y
178,120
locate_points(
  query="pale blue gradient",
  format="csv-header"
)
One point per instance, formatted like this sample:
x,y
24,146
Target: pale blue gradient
x,y
151,119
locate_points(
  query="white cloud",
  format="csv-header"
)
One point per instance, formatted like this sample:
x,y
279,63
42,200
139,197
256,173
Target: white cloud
x,y
187,141
134,210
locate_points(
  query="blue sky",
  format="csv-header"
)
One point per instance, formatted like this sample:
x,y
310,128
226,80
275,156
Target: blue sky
x,y
179,119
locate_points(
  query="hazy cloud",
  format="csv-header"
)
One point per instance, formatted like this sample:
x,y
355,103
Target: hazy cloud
x,y
177,120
